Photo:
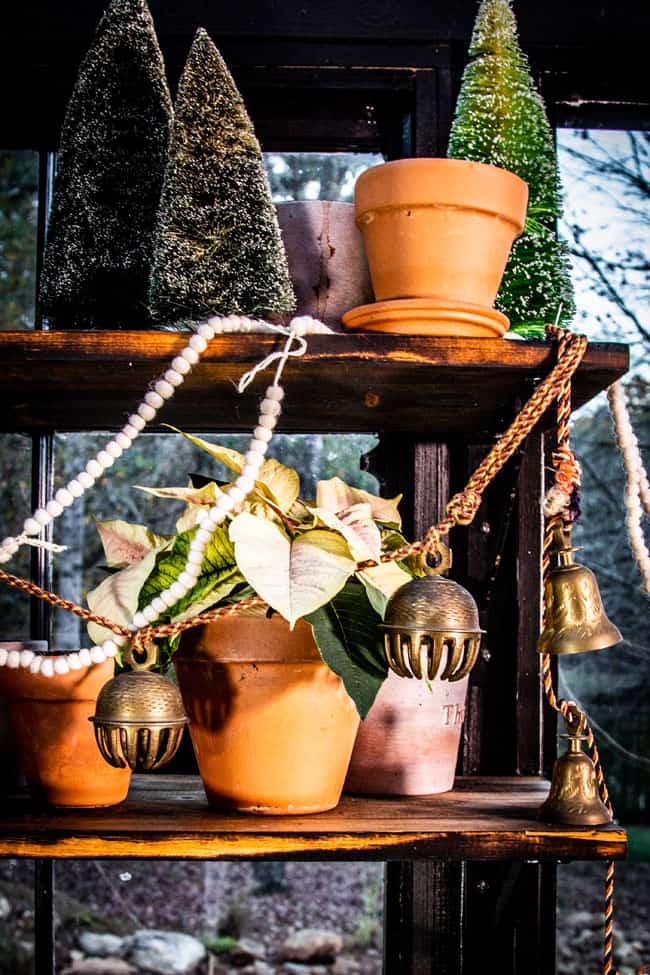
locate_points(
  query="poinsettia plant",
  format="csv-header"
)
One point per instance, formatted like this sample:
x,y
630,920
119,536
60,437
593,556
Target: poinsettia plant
x,y
299,556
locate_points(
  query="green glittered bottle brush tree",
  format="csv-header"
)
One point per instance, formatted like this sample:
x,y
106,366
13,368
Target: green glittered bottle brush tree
x,y
501,119
109,177
218,246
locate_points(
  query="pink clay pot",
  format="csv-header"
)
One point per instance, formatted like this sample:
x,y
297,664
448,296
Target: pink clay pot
x,y
408,744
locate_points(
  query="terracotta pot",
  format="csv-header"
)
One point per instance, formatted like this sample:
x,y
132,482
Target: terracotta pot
x,y
439,228
327,260
272,726
56,741
408,744
10,772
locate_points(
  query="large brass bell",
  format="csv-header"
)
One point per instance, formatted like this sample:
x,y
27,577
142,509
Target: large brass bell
x,y
425,619
574,798
139,716
575,620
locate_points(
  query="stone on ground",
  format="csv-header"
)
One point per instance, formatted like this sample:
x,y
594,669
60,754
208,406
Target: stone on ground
x,y
312,944
100,945
164,952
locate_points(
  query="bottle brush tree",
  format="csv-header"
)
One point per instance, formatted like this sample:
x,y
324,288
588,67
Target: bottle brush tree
x,y
501,119
109,177
218,245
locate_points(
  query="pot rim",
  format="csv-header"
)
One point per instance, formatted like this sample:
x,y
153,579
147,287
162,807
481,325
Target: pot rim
x,y
249,640
467,185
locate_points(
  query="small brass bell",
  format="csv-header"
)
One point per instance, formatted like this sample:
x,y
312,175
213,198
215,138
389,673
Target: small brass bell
x,y
574,799
139,717
426,617
575,620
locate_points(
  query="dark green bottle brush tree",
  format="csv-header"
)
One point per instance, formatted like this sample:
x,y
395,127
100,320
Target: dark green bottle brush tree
x,y
218,246
109,177
501,119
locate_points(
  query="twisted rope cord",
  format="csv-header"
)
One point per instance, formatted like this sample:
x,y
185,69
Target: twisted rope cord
x,y
462,508
560,455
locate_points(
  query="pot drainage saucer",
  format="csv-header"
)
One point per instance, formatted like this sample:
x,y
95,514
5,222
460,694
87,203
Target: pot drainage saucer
x,y
427,316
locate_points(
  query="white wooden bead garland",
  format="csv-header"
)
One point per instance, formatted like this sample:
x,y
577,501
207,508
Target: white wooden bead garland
x,y
637,487
163,389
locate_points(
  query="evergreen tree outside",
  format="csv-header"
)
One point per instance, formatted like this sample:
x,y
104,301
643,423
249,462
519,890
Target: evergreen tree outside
x,y
500,119
218,244
109,178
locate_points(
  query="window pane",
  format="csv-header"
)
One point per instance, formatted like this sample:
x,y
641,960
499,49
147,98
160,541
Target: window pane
x,y
606,177
220,905
15,477
18,226
316,175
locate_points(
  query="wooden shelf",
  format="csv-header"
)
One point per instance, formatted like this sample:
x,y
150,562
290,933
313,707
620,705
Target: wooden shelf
x,y
92,380
167,817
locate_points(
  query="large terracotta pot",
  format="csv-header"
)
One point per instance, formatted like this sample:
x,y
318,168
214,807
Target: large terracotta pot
x,y
55,739
272,726
408,744
439,231
327,261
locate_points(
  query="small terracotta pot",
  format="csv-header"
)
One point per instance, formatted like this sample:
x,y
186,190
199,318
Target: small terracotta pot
x,y
408,744
272,726
55,739
327,260
439,228
10,772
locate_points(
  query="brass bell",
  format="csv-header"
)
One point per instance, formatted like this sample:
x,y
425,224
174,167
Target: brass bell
x,y
426,617
574,798
575,619
139,717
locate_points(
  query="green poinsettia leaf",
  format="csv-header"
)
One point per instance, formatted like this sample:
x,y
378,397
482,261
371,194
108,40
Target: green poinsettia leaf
x,y
125,544
350,643
294,576
117,596
219,574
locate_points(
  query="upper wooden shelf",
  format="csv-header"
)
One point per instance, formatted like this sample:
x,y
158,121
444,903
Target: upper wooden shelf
x,y
167,817
353,383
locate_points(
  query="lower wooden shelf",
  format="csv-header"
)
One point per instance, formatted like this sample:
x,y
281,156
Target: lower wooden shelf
x,y
167,817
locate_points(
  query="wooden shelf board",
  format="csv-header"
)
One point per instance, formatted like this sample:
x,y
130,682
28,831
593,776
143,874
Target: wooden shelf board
x,y
167,817
354,383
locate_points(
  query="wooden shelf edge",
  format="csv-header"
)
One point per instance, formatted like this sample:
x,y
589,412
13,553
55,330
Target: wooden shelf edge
x,y
167,818
347,383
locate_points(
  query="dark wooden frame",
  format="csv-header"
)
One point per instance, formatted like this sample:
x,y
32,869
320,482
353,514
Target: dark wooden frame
x,y
383,76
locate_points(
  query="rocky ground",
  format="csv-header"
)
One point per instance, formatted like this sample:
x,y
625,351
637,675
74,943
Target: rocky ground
x,y
177,918
581,888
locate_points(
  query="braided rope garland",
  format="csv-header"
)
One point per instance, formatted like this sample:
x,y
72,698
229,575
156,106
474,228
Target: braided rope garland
x,y
567,479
